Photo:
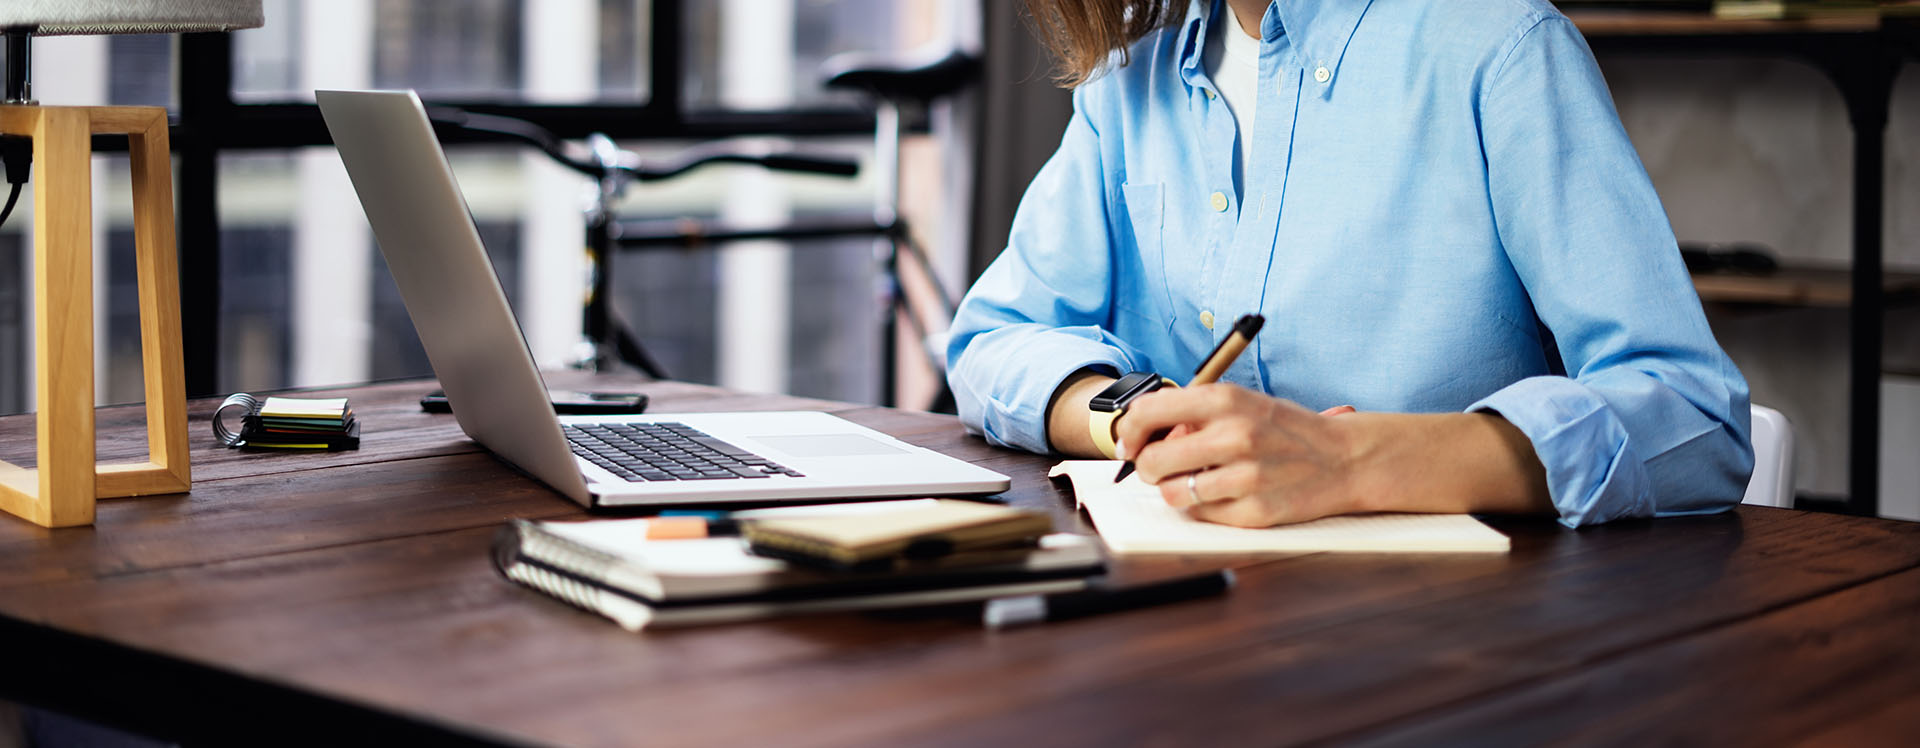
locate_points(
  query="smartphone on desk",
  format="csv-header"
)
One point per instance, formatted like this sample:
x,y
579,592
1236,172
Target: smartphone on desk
x,y
565,402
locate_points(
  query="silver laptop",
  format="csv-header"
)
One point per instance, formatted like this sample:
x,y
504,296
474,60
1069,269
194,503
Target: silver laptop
x,y
434,251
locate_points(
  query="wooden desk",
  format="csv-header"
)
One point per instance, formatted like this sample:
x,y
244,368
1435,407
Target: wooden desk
x,y
321,597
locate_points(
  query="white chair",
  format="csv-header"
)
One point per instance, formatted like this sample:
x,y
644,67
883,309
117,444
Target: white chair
x,y
1772,482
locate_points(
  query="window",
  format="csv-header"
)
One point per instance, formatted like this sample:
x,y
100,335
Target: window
x,y
282,285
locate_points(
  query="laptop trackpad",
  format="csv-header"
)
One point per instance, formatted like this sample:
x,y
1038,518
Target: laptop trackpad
x,y
827,445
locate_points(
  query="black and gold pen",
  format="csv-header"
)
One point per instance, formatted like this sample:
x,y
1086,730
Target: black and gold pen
x,y
1211,368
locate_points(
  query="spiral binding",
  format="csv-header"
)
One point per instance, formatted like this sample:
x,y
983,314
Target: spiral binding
x,y
246,403
566,588
585,570
565,555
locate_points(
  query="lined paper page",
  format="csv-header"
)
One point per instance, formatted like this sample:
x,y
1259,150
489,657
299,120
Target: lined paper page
x,y
1132,518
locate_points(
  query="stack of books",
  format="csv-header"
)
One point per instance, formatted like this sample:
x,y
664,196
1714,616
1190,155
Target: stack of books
x,y
292,423
830,558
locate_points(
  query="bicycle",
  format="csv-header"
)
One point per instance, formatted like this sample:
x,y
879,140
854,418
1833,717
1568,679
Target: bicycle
x,y
608,341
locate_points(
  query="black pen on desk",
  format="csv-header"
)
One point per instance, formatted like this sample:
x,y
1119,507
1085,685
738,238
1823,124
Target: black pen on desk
x,y
1005,612
1211,368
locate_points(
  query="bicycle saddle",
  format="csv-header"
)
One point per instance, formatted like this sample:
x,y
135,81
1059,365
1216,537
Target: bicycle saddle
x,y
901,78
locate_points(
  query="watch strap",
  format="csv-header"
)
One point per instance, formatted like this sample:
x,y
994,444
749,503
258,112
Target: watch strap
x,y
1100,427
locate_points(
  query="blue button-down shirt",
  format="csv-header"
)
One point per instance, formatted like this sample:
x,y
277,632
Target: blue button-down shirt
x,y
1442,213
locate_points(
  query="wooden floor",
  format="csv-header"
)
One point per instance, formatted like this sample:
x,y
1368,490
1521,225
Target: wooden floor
x,y
328,597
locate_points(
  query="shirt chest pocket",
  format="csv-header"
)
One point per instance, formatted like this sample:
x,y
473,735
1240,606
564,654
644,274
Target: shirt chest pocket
x,y
1141,274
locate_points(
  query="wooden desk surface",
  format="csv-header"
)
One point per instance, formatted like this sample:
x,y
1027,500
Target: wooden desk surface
x,y
317,597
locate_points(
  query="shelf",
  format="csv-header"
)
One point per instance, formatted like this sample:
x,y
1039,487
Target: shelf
x,y
1800,286
1862,56
1666,23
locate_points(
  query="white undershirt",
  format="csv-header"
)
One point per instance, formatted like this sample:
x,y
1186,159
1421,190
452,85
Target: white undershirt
x,y
1232,61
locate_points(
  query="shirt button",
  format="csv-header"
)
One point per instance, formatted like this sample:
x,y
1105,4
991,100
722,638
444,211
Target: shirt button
x,y
1218,201
1210,93
1320,74
1206,320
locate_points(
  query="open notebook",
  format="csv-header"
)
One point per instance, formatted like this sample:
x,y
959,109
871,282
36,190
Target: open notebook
x,y
1132,518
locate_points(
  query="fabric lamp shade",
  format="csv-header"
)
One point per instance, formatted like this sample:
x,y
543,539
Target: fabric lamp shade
x,y
71,17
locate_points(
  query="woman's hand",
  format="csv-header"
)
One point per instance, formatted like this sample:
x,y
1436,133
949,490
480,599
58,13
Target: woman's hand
x,y
1257,461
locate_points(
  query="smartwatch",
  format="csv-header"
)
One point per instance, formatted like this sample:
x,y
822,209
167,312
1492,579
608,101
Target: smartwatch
x,y
1106,407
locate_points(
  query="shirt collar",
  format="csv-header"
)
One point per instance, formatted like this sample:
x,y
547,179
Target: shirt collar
x,y
1321,30
1193,35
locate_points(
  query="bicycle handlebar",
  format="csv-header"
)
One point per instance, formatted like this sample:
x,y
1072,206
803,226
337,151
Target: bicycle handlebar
x,y
793,162
560,151
802,163
517,129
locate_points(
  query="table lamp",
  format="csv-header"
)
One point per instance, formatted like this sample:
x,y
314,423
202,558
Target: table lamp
x,y
61,489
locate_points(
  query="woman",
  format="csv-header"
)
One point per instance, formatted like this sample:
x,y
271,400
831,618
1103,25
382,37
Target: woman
x,y
1435,207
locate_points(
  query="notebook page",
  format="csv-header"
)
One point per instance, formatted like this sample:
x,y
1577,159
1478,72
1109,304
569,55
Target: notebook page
x,y
1132,518
304,408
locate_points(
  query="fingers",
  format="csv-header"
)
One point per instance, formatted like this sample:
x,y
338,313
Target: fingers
x,y
1239,425
1238,512
1179,492
1241,458
1220,442
1229,496
1195,407
1206,486
1168,408
1213,496
1251,492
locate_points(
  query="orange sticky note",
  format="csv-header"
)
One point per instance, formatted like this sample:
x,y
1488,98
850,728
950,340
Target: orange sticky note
x,y
676,528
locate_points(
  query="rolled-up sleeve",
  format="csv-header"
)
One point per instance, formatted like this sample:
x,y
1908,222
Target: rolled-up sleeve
x,y
1652,417
1039,312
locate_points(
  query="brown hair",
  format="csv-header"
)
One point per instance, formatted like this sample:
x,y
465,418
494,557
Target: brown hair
x,y
1084,34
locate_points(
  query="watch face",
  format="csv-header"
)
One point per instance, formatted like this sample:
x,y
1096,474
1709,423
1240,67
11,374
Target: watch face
x,y
1124,390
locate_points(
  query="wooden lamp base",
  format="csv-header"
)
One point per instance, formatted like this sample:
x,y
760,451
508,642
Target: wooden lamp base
x,y
60,491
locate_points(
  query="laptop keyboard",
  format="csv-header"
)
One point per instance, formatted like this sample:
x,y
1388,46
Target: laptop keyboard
x,y
666,451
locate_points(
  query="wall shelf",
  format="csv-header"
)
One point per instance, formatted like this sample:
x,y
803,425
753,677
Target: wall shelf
x,y
1657,23
1807,286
